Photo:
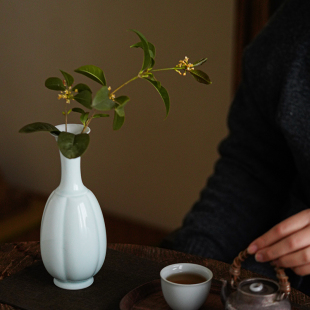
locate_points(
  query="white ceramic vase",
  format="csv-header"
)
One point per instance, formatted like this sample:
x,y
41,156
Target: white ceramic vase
x,y
73,235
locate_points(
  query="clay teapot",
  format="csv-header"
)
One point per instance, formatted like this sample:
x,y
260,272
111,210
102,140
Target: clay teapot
x,y
255,293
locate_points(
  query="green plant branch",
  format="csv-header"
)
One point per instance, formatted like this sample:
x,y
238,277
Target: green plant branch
x,y
140,76
66,117
166,69
88,121
104,99
112,93
134,78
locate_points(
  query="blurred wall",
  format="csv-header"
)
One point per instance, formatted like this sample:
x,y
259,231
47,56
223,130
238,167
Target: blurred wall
x,y
152,169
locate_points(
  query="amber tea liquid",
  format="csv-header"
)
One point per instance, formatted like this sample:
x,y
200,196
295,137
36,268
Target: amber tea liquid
x,y
186,278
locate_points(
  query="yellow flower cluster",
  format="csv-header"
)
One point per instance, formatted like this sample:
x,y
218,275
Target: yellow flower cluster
x,y
184,65
67,94
111,96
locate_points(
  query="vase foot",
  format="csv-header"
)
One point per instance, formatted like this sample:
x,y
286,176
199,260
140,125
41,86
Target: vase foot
x,y
74,285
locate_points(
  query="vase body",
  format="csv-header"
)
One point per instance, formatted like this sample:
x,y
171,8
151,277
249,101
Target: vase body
x,y
73,235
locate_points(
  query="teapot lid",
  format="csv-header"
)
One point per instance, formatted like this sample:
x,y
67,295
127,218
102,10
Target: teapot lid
x,y
258,287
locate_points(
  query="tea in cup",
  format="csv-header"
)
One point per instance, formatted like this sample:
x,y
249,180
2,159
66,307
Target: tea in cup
x,y
185,286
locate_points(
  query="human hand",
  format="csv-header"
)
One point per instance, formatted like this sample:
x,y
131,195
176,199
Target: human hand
x,y
286,245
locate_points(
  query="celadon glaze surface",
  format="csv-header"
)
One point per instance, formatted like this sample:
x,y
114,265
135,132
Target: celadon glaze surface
x,y
73,235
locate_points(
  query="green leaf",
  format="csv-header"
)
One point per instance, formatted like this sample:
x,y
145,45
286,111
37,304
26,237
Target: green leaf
x,y
54,83
200,62
152,63
122,101
68,112
118,121
34,127
84,98
163,92
120,111
139,44
84,118
152,51
152,77
147,61
80,87
78,110
200,76
93,73
56,133
69,78
72,146
101,101
151,48
100,115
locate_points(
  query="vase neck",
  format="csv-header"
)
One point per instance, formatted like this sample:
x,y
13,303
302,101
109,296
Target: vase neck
x,y
71,179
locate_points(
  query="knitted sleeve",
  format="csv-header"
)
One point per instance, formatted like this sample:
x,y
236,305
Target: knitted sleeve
x,y
249,189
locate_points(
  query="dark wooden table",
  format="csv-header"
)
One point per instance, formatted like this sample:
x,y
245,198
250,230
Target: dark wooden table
x,y
14,257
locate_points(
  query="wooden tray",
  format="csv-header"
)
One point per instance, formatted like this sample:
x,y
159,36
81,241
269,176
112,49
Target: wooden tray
x,y
149,297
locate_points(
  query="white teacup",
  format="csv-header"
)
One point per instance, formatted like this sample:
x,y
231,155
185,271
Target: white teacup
x,y
185,286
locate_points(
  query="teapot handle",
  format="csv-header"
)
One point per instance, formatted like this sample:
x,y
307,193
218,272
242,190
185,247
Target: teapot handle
x,y
234,270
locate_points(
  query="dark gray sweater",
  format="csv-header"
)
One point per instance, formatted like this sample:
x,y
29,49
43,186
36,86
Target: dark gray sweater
x,y
263,174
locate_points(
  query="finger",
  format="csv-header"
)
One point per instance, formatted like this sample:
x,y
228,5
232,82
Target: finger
x,y
281,230
296,259
302,270
295,242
